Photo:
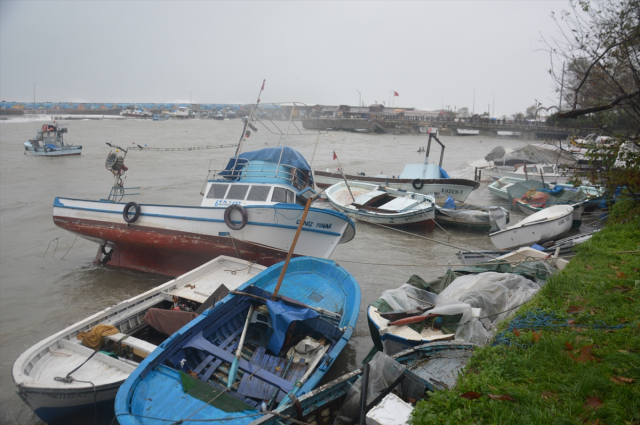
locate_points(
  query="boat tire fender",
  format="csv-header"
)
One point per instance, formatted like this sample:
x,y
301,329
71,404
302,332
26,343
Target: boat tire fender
x,y
417,184
243,213
125,212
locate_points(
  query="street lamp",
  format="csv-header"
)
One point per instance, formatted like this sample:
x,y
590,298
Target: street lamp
x,y
493,107
473,111
359,98
441,104
34,96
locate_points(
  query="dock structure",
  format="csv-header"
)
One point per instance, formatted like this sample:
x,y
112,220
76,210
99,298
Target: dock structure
x,y
410,125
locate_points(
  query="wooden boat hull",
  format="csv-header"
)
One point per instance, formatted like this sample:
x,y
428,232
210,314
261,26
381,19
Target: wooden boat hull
x,y
155,389
52,152
540,227
419,216
172,240
59,354
316,404
458,189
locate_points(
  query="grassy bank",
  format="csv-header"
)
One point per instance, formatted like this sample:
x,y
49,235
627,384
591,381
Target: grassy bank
x,y
582,363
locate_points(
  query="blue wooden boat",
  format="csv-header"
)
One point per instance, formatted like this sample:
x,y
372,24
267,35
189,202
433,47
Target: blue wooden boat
x,y
186,377
429,368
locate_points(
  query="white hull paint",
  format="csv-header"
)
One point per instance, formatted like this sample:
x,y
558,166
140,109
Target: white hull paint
x,y
443,187
268,225
340,198
539,227
57,151
35,369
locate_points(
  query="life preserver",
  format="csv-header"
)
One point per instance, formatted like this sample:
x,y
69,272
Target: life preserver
x,y
125,212
243,213
417,184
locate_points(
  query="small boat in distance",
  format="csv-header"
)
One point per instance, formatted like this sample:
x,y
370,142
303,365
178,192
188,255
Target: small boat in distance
x,y
136,112
382,205
428,179
293,336
142,322
49,141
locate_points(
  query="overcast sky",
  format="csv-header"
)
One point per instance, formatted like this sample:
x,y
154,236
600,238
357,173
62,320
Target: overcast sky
x,y
432,53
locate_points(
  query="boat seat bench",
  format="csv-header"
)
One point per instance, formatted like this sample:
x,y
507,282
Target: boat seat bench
x,y
140,348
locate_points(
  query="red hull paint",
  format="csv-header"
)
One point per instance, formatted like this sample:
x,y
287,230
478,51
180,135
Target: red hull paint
x,y
163,251
426,225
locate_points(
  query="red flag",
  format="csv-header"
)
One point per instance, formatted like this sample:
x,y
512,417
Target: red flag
x,y
395,93
263,81
429,130
335,156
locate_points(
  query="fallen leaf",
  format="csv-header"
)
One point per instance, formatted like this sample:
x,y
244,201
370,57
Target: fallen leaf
x,y
593,402
492,387
620,380
611,276
501,397
536,336
614,267
547,395
610,331
631,299
569,346
516,332
623,262
574,309
636,270
470,395
571,322
588,267
622,320
585,355
620,288
623,351
592,312
621,275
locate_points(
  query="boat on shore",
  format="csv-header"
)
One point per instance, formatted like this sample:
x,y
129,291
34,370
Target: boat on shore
x,y
296,323
49,141
542,226
48,377
417,371
250,209
382,205
472,217
427,179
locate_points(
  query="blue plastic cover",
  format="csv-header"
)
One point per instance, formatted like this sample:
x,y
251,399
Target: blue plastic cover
x,y
450,203
443,173
538,247
281,317
290,157
554,191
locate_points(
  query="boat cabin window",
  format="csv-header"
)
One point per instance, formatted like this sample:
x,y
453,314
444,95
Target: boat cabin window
x,y
531,169
237,191
283,195
548,170
258,193
217,191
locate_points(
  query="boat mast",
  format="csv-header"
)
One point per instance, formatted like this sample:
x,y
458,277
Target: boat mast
x,y
246,123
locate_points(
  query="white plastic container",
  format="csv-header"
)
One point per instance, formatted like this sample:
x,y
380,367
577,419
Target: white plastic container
x,y
390,411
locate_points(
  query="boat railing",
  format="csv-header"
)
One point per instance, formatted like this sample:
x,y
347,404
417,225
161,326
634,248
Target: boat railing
x,y
119,192
251,171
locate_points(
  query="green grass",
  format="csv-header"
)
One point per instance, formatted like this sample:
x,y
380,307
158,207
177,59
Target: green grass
x,y
547,385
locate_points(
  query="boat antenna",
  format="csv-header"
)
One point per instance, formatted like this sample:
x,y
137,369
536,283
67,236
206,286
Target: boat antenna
x,y
246,123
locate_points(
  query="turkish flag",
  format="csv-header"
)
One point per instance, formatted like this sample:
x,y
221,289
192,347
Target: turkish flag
x,y
335,156
395,93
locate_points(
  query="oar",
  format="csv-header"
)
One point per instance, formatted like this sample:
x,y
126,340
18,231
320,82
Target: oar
x,y
234,366
274,296
413,319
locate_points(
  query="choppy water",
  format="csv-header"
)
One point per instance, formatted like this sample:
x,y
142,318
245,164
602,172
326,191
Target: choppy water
x,y
46,286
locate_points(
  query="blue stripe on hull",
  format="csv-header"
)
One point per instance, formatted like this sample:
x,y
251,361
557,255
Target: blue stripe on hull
x,y
80,415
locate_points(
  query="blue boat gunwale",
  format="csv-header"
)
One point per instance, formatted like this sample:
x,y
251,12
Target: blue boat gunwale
x,y
327,268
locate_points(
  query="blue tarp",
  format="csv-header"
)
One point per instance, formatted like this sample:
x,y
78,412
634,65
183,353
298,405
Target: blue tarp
x,y
554,191
281,317
443,173
290,157
450,203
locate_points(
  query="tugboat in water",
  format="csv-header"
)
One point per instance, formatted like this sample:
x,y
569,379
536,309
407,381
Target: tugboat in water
x,y
49,141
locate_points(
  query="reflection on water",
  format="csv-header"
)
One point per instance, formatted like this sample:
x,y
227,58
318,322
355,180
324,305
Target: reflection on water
x,y
47,284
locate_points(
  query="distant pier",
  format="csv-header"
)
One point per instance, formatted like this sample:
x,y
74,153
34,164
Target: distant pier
x,y
396,125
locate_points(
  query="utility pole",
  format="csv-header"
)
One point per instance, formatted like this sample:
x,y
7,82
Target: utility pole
x,y
34,96
359,98
561,88
493,109
189,97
